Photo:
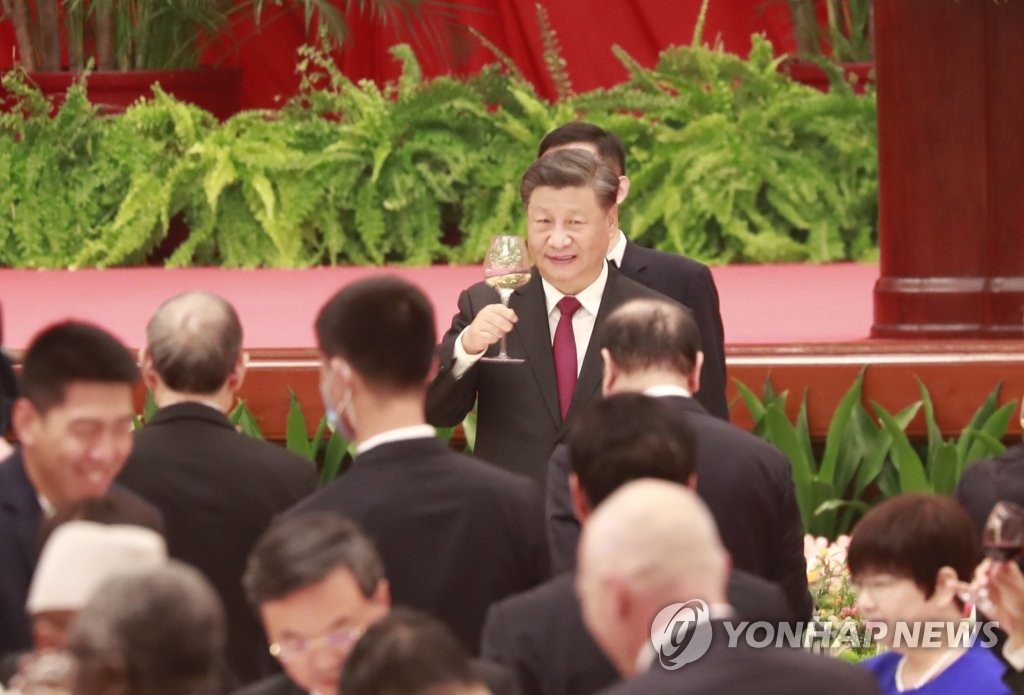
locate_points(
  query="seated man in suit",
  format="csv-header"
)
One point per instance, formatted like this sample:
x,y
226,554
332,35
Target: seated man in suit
x,y
318,584
455,534
540,633
159,632
653,347
74,425
217,488
525,409
652,549
680,278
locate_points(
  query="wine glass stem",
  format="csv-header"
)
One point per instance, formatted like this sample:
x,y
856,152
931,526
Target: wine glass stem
x,y
505,294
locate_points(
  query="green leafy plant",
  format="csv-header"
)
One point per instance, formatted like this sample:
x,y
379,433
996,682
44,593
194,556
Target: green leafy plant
x,y
864,461
173,34
847,34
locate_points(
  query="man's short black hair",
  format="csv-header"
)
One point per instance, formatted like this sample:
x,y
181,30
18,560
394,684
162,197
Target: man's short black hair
x,y
406,653
607,144
70,352
299,551
914,535
384,328
630,436
646,333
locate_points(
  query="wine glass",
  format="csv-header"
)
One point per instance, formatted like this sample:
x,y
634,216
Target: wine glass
x,y
506,268
1003,537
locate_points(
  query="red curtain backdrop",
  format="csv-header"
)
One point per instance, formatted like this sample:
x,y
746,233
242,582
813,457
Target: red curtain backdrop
x,y
586,29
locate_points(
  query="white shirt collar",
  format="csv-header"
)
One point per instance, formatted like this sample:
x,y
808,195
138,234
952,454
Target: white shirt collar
x,y
619,250
667,390
399,434
48,509
590,297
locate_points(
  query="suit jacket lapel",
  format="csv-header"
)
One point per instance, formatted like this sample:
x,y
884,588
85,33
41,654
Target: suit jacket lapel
x,y
633,266
534,334
20,502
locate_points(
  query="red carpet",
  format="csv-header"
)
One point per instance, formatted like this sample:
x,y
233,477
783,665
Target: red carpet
x,y
777,304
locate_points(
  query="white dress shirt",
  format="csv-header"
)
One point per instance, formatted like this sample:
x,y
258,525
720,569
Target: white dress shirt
x,y
582,322
619,250
400,434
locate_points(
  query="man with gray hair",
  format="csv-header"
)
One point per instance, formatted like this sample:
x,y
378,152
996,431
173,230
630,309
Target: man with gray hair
x,y
652,577
217,489
158,632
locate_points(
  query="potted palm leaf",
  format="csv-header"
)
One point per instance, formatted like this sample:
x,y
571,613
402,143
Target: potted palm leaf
x,y
129,44
834,40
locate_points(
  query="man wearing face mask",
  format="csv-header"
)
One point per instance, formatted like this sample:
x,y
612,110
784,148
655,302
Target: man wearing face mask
x,y
455,534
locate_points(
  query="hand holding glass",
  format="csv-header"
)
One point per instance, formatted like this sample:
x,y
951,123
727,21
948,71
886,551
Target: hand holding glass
x,y
506,268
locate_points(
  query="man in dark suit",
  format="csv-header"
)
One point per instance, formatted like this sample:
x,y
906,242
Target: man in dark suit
x,y
217,489
74,425
652,549
680,278
455,534
653,347
540,633
525,409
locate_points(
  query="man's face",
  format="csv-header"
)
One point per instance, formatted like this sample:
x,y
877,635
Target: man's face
x,y
568,236
75,449
316,627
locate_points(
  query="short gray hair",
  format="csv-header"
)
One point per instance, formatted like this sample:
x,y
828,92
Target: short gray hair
x,y
571,168
194,340
166,625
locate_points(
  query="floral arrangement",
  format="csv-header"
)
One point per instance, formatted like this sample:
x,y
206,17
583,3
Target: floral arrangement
x,y
839,628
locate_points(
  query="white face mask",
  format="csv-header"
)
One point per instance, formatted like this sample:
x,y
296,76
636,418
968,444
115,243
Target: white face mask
x,y
335,419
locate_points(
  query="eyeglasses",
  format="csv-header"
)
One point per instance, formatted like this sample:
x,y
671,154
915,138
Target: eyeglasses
x,y
297,647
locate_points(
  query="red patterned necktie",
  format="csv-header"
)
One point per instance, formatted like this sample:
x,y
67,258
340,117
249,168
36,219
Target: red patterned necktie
x,y
564,349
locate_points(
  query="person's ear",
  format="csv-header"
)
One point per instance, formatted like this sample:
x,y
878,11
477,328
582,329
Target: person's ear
x,y
237,376
382,594
435,364
580,504
623,192
691,482
149,376
947,585
25,420
693,381
609,374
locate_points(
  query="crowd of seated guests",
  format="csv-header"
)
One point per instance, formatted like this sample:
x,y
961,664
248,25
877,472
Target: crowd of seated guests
x,y
616,555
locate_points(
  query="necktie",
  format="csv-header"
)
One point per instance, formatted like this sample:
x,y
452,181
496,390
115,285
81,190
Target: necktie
x,y
564,349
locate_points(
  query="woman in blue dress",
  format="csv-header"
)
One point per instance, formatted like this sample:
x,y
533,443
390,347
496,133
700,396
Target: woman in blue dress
x,y
908,558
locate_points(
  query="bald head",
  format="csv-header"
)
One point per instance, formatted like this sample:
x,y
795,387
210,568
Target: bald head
x,y
649,334
194,341
659,538
650,544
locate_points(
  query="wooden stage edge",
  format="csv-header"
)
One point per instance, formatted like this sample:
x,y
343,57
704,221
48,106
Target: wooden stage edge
x,y
959,375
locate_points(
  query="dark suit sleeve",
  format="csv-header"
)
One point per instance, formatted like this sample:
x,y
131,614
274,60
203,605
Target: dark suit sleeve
x,y
790,567
702,300
563,528
498,645
450,399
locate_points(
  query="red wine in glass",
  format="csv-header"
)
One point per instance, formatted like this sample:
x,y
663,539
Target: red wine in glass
x,y
1003,537
1004,552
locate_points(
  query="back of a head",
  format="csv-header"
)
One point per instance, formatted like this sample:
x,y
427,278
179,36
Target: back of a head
x,y
194,340
914,535
629,436
607,144
301,550
659,539
384,328
407,653
645,334
116,507
71,352
164,627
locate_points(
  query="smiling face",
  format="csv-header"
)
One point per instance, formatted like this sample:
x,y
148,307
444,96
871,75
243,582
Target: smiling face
x,y
568,234
884,598
75,449
316,627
